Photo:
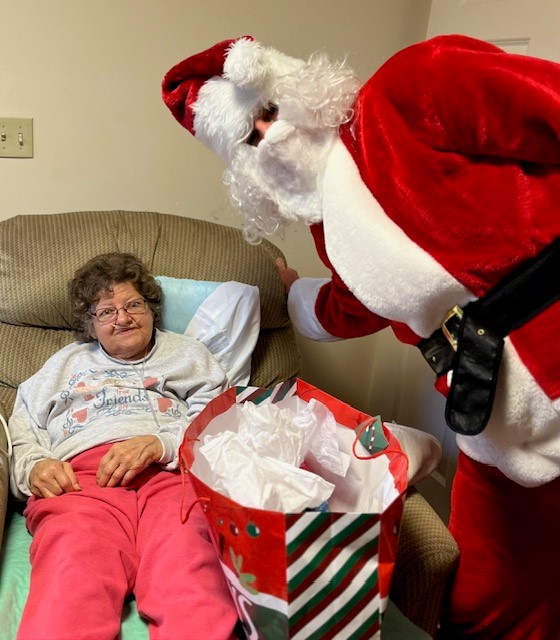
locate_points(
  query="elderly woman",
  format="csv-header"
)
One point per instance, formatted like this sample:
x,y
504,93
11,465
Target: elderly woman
x,y
95,449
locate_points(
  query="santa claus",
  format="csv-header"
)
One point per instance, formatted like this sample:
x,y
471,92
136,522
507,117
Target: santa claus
x,y
431,192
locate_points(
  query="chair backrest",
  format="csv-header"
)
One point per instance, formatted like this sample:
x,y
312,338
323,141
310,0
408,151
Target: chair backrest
x,y
40,253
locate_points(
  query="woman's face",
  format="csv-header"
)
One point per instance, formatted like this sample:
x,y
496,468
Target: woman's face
x,y
127,336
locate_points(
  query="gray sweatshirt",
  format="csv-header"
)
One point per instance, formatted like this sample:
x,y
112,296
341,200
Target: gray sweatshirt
x,y
82,398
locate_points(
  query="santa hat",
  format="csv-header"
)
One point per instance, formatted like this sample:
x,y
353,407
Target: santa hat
x,y
216,94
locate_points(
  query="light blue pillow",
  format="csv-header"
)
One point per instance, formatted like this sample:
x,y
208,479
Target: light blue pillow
x,y
181,299
224,316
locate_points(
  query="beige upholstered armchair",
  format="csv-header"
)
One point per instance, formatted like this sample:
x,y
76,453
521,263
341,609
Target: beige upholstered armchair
x,y
38,256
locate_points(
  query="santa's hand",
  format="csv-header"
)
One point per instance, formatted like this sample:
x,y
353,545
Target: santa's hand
x,y
127,459
287,274
51,477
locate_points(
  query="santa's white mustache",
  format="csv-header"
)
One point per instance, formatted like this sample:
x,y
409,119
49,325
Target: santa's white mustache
x,y
284,161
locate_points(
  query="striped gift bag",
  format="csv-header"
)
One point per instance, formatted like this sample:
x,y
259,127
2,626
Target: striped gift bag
x,y
314,575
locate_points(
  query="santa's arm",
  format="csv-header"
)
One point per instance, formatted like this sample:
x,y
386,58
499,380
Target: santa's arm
x,y
462,95
319,313
301,307
324,308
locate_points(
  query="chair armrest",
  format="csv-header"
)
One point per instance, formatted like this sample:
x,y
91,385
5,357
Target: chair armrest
x,y
5,448
426,557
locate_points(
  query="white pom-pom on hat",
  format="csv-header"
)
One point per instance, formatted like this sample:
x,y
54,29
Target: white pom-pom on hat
x,y
245,63
248,64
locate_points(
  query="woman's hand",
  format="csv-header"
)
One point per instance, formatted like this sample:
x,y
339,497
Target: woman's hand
x,y
287,274
50,478
126,459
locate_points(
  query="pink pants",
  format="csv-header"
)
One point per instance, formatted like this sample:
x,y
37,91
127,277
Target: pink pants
x,y
93,548
507,586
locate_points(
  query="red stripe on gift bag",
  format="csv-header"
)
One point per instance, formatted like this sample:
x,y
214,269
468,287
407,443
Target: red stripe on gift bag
x,y
252,394
354,614
325,557
304,531
258,395
341,626
283,390
328,595
345,582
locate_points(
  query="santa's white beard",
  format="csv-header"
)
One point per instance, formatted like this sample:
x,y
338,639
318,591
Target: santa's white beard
x,y
280,180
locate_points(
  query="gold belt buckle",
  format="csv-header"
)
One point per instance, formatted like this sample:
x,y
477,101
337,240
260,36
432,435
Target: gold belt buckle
x,y
455,314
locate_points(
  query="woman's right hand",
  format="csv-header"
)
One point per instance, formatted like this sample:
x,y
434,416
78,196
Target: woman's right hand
x,y
50,478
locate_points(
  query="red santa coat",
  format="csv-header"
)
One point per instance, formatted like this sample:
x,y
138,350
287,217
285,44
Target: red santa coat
x,y
447,178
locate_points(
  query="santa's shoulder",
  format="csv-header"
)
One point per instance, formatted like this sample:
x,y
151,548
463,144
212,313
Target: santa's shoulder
x,y
436,51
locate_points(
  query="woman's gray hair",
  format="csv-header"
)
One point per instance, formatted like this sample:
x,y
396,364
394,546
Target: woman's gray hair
x,y
98,276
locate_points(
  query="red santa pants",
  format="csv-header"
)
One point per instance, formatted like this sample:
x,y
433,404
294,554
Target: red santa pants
x,y
507,585
92,548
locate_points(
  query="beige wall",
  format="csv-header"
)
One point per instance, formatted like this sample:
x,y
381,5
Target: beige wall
x,y
89,75
518,26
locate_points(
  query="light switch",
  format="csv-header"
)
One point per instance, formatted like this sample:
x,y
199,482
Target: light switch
x,y
16,137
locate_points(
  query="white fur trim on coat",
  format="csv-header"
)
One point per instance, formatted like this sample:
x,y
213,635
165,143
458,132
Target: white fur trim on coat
x,y
410,286
398,280
522,438
301,307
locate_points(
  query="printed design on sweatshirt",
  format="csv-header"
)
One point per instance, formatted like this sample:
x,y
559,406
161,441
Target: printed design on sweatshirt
x,y
76,382
96,395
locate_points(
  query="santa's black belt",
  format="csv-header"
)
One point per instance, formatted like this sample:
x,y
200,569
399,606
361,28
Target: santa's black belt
x,y
471,339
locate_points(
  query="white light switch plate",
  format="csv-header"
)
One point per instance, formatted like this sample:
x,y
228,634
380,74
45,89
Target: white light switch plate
x,y
16,137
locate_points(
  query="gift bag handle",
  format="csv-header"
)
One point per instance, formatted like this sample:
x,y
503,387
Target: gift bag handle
x,y
185,517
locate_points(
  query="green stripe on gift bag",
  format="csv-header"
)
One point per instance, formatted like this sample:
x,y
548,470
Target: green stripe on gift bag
x,y
342,584
332,574
303,530
343,622
258,395
324,553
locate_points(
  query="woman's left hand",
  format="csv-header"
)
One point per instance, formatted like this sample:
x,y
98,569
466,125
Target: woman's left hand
x,y
126,459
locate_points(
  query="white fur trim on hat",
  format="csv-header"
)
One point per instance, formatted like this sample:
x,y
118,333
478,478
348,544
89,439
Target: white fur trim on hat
x,y
226,105
223,115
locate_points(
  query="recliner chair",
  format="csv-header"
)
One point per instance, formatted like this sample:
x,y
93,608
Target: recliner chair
x,y
38,256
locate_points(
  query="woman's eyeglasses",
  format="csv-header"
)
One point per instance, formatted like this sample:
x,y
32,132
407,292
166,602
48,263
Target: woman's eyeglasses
x,y
109,314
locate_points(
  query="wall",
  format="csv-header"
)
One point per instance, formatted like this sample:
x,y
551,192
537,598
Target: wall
x,y
89,75
516,25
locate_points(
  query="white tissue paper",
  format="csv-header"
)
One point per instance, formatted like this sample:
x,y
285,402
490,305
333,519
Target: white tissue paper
x,y
259,465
